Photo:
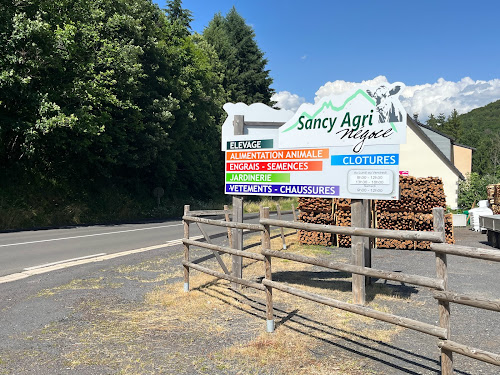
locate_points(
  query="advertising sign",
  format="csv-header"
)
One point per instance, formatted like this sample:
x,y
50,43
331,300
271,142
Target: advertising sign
x,y
344,146
365,116
256,112
314,172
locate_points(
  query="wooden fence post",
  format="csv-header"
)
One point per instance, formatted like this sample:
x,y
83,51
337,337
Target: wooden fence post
x,y
229,234
237,261
186,249
294,217
266,245
278,210
237,243
360,247
367,240
443,306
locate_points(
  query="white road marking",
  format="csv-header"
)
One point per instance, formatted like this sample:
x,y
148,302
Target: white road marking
x,y
63,261
90,235
95,258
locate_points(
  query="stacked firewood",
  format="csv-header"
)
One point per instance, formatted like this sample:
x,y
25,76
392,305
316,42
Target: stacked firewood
x,y
448,228
395,221
428,193
316,211
342,219
425,222
397,215
315,205
418,196
413,211
494,197
406,196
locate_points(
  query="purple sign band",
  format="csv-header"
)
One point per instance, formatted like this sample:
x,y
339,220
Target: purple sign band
x,y
302,190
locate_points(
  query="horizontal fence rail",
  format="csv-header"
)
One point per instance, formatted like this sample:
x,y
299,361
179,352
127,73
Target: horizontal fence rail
x,y
361,310
222,223
478,354
224,249
466,251
210,212
352,231
221,275
469,300
372,272
229,212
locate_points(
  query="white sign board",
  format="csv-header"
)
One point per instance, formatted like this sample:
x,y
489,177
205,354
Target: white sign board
x,y
365,116
256,112
319,172
345,146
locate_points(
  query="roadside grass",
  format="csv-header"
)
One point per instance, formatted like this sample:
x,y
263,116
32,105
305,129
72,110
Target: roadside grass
x,y
153,271
251,206
216,329
80,284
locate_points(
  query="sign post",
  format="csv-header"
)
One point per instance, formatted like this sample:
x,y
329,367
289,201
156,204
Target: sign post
x,y
237,261
361,252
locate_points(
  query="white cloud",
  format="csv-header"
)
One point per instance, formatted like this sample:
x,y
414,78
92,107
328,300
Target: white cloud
x,y
440,97
338,87
287,100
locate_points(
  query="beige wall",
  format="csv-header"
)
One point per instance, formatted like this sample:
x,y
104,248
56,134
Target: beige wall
x,y
462,157
419,160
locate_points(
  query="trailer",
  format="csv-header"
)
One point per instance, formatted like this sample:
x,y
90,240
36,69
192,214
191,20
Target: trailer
x,y
492,225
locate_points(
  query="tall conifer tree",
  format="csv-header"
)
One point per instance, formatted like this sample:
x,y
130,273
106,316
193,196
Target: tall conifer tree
x,y
246,78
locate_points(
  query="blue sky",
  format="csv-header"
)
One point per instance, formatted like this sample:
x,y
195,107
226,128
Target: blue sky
x,y
446,52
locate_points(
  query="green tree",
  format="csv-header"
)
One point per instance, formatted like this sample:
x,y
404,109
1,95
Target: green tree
x,y
486,158
246,78
108,94
473,189
432,122
177,14
440,121
452,125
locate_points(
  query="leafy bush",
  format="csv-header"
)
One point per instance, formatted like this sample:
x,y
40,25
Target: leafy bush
x,y
473,189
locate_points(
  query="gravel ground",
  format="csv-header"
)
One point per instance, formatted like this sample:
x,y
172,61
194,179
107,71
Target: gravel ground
x,y
411,352
65,322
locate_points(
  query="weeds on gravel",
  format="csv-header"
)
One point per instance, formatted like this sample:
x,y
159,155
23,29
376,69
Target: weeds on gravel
x,y
303,327
285,204
93,283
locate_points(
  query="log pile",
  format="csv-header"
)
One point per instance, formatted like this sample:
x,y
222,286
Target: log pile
x,y
316,211
418,196
406,197
413,211
342,219
425,223
494,198
428,193
315,205
395,221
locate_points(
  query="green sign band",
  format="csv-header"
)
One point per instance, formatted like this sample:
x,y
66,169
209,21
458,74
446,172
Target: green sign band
x,y
250,144
257,177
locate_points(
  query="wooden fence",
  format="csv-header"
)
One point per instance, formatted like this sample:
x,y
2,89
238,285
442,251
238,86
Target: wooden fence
x,y
439,284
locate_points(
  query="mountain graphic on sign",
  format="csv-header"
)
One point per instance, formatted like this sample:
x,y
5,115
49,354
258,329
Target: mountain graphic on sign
x,y
329,105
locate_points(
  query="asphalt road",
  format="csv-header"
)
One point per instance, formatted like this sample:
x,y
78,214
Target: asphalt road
x,y
27,249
